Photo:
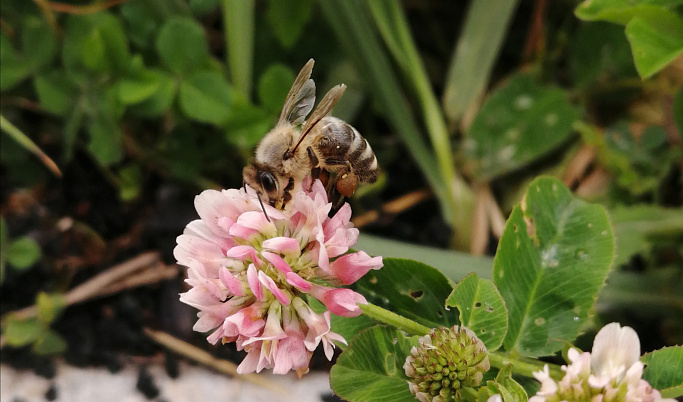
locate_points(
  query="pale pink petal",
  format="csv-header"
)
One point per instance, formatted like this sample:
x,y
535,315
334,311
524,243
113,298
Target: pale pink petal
x,y
212,205
277,261
298,282
292,353
351,267
233,284
269,283
336,245
245,253
340,301
193,247
273,329
200,229
254,283
249,363
258,221
207,322
225,223
284,245
245,322
244,232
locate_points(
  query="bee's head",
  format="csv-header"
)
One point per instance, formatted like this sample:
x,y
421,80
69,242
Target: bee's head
x,y
264,182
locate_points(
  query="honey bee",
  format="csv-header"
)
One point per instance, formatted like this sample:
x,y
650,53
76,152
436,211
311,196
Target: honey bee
x,y
322,146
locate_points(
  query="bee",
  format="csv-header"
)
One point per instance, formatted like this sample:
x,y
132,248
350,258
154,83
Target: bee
x,y
323,146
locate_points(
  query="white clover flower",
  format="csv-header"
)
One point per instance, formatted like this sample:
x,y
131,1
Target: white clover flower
x,y
612,371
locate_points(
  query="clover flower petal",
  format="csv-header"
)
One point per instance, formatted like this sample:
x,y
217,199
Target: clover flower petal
x,y
249,273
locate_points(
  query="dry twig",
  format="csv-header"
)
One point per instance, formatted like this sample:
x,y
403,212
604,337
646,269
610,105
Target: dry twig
x,y
83,10
110,281
392,207
204,357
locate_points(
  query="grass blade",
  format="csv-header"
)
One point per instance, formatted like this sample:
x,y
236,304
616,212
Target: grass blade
x,y
475,53
29,145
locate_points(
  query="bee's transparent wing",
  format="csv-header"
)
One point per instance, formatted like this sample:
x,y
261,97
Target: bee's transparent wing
x,y
324,108
300,98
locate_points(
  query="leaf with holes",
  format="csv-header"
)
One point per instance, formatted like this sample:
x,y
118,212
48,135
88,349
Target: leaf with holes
x,y
371,367
552,259
411,289
519,123
664,372
481,309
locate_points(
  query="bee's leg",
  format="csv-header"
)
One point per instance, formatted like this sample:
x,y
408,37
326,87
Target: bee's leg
x,y
287,193
315,165
347,181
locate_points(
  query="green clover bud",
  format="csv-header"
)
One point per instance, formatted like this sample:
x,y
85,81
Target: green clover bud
x,y
446,361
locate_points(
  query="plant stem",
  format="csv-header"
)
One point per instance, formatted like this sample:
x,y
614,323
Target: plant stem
x,y
521,366
238,20
389,317
525,367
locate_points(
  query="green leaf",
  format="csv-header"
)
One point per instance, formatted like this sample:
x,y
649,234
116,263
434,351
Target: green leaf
x,y
161,100
22,332
56,92
23,253
141,21
182,45
206,97
411,289
130,182
552,259
287,19
246,124
274,86
180,150
600,52
371,367
93,51
139,87
519,123
4,245
509,389
481,309
95,42
203,7
621,11
105,140
39,42
50,306
50,343
663,370
655,41
14,67
635,226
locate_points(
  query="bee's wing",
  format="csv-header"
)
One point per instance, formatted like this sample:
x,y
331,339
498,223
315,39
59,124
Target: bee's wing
x,y
300,98
325,106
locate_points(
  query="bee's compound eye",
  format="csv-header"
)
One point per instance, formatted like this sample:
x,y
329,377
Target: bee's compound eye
x,y
268,182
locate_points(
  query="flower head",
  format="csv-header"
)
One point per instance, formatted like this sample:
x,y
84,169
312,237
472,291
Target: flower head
x,y
612,371
446,360
249,274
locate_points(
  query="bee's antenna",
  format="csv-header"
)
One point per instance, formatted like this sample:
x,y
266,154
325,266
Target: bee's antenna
x,y
262,207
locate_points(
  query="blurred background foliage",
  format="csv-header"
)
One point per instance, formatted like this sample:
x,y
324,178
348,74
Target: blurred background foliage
x,y
116,113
